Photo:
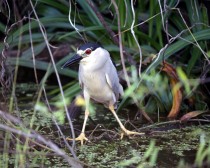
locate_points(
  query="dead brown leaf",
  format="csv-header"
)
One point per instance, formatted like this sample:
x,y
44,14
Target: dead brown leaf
x,y
176,90
190,115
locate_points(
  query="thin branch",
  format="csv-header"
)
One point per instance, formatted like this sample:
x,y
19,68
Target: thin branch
x,y
32,51
10,118
73,25
9,15
205,55
120,44
100,17
3,53
134,36
126,15
49,143
109,30
123,62
58,127
56,73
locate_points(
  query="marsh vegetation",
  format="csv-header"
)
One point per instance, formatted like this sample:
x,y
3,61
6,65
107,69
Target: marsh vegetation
x,y
160,49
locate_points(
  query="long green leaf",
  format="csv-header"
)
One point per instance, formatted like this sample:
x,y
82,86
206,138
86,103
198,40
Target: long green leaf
x,y
42,66
177,46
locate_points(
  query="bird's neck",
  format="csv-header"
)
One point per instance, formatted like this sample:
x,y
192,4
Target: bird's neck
x,y
93,64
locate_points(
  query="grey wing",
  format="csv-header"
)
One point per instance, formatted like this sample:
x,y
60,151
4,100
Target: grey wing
x,y
80,78
113,81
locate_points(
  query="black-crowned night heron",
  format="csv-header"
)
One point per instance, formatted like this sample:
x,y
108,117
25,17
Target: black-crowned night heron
x,y
99,80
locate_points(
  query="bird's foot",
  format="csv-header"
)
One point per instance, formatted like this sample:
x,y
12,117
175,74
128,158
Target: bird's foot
x,y
80,138
128,133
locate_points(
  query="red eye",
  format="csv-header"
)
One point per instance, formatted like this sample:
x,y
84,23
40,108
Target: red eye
x,y
88,51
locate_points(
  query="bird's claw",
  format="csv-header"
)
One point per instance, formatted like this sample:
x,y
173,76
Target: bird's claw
x,y
128,133
80,138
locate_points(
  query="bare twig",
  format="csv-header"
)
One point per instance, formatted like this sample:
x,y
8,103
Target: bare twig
x,y
109,30
29,133
32,51
120,44
198,45
10,118
159,124
73,25
40,138
122,59
134,36
56,73
58,127
4,57
100,17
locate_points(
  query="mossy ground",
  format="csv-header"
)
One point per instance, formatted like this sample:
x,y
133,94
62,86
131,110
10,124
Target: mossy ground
x,y
174,145
175,142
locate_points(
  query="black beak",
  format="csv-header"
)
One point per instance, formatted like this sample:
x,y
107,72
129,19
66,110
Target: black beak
x,y
72,60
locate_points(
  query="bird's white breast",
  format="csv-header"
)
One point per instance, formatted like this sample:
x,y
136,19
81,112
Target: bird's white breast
x,y
92,72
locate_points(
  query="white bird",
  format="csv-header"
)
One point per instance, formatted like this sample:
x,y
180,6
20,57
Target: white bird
x,y
99,81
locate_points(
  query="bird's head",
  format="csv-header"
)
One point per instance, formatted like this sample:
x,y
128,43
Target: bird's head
x,y
83,52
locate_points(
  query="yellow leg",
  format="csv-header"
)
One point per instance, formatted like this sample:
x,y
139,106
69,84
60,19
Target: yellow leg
x,y
125,131
82,136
